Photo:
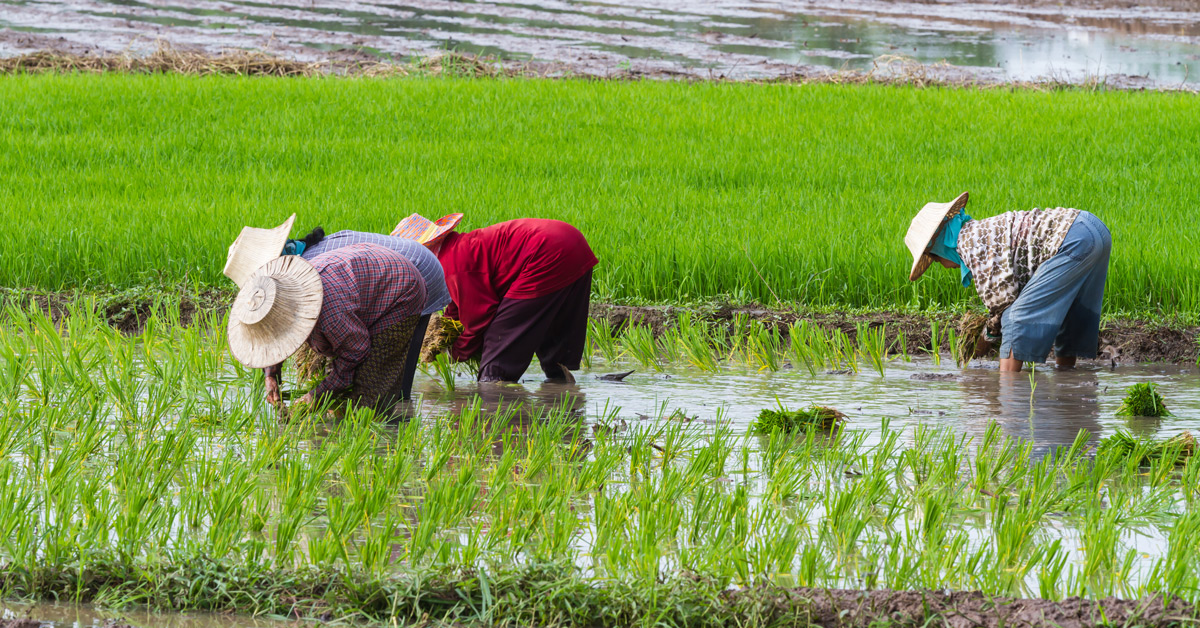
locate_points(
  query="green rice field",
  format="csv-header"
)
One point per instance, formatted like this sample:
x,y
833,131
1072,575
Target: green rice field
x,y
148,471
687,191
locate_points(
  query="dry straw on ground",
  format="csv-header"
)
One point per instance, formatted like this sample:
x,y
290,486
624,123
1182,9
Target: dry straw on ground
x,y
169,60
885,70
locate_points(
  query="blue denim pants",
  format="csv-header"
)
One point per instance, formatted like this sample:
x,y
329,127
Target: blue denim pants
x,y
1060,306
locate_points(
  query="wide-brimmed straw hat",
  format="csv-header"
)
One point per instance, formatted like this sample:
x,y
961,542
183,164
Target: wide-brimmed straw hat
x,y
924,227
253,248
275,311
425,231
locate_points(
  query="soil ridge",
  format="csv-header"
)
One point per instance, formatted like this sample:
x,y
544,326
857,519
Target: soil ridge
x,y
1126,340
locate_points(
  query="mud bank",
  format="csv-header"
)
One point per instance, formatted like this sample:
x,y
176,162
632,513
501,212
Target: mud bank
x,y
843,607
1127,340
1121,341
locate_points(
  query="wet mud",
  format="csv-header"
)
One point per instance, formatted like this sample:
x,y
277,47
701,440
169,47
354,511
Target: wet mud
x,y
1122,341
1154,44
844,607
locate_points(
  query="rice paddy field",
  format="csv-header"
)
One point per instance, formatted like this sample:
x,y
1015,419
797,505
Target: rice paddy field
x,y
686,191
701,471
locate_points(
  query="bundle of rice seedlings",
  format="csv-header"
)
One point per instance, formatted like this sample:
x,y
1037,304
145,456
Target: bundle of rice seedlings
x,y
311,367
1143,400
1123,444
439,337
810,418
970,330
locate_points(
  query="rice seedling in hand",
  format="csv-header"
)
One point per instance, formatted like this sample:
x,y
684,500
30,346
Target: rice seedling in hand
x,y
439,337
1143,400
970,336
813,417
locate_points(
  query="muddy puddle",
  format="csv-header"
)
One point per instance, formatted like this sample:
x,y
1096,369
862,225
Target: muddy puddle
x,y
72,616
1151,44
909,394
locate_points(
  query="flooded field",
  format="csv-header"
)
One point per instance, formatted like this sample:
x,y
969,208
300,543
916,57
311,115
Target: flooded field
x,y
1156,44
910,394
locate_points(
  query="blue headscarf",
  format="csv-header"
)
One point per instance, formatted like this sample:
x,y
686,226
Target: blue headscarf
x,y
294,247
945,245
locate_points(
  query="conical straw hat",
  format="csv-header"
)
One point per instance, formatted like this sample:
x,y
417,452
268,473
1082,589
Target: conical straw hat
x,y
424,231
926,225
275,311
253,248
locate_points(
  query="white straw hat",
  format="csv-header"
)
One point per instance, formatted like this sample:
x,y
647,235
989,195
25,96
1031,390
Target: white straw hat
x,y
253,248
926,225
275,311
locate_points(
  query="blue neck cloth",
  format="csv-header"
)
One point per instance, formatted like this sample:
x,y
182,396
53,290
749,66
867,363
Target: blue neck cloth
x,y
945,245
294,247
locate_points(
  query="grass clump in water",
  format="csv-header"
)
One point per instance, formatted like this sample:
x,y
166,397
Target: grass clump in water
x,y
1123,444
1143,400
813,417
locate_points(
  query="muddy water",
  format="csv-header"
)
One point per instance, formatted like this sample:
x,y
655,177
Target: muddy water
x,y
909,394
1148,43
70,616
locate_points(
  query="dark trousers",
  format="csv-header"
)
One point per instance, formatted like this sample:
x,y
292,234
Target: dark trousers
x,y
414,352
553,326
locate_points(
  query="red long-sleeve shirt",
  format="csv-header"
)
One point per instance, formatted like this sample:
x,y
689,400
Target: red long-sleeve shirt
x,y
518,259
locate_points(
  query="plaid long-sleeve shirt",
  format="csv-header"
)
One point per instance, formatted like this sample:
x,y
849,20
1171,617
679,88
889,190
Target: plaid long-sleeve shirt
x,y
367,288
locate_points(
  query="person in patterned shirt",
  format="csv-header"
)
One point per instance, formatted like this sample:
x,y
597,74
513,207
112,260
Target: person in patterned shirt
x,y
371,301
357,304
1041,273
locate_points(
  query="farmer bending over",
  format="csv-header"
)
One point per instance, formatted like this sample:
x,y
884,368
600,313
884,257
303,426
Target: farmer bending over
x,y
1040,273
519,287
436,296
358,305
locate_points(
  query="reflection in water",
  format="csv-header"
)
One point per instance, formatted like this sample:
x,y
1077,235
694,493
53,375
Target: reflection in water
x,y
735,39
1049,411
69,616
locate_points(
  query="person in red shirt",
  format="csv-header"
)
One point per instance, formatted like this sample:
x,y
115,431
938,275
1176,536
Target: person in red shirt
x,y
519,288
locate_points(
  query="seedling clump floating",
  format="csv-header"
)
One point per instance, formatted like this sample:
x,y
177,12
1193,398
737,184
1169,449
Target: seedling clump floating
x,y
813,417
1124,444
1143,400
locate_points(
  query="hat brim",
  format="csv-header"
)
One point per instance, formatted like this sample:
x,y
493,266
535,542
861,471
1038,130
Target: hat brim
x,y
255,247
925,227
425,231
297,302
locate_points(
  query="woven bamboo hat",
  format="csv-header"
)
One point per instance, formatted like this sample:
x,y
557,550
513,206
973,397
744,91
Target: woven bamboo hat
x,y
424,231
253,248
924,227
275,311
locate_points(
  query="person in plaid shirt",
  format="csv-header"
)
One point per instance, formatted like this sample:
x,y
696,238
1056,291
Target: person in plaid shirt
x,y
371,302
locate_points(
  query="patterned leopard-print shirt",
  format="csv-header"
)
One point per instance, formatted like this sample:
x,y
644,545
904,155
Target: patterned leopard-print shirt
x,y
1004,251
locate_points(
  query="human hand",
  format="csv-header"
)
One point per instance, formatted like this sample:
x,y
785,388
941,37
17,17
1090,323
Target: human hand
x,y
273,395
982,346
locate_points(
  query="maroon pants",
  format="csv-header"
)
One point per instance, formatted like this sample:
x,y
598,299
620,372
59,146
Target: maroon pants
x,y
554,327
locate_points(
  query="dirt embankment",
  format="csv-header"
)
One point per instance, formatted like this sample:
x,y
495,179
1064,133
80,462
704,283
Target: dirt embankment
x,y
847,607
1127,340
